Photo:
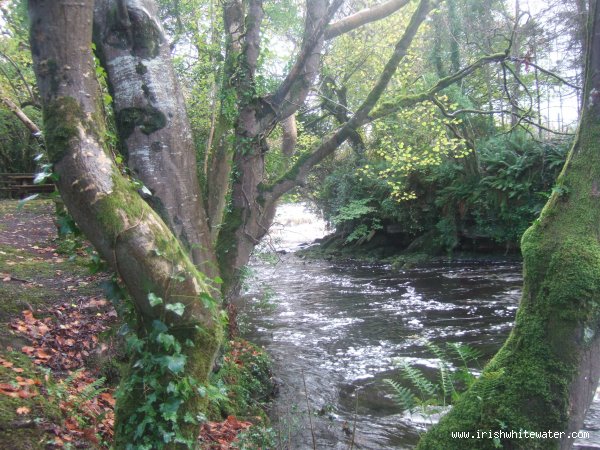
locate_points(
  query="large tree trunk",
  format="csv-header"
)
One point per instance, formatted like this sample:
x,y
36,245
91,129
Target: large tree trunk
x,y
545,375
127,233
152,120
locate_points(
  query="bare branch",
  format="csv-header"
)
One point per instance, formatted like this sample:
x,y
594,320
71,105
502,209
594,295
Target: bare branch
x,y
515,105
527,62
21,76
290,135
363,17
458,112
20,115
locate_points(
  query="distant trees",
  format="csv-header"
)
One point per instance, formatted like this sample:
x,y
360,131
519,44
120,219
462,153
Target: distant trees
x,y
18,100
471,166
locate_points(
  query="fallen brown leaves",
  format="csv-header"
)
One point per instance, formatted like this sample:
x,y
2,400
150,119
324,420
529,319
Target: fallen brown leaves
x,y
239,349
90,420
222,435
62,341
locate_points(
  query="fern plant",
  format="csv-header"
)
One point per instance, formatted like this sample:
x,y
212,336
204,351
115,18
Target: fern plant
x,y
428,396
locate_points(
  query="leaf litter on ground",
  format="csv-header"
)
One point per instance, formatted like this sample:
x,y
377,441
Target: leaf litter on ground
x,y
62,341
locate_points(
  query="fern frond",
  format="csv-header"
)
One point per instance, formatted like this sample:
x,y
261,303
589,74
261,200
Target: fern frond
x,y
92,390
418,379
465,352
403,396
446,381
437,351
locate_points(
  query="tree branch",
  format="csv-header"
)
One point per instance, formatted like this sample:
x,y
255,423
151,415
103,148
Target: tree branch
x,y
20,115
395,105
299,171
527,62
290,135
251,48
458,112
313,32
21,76
363,17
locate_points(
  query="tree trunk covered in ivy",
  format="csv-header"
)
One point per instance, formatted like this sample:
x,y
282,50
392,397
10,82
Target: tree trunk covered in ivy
x,y
546,374
179,329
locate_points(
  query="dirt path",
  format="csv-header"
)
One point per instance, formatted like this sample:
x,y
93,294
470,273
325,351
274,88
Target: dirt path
x,y
55,337
26,227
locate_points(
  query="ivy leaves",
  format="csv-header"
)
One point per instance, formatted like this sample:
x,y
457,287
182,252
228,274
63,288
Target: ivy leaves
x,y
154,299
159,357
176,308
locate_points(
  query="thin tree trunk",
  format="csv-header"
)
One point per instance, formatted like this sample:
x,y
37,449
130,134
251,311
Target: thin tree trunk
x,y
18,112
127,233
546,374
221,152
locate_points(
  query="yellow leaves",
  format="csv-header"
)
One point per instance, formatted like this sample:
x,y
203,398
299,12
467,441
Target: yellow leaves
x,y
413,140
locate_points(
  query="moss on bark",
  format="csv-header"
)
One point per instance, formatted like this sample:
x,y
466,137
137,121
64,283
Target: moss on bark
x,y
528,385
61,117
148,119
227,246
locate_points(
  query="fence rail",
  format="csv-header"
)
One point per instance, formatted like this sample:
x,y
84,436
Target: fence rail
x,y
19,185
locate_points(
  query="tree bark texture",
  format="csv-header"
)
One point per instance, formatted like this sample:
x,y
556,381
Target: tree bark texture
x,y
151,118
107,207
546,374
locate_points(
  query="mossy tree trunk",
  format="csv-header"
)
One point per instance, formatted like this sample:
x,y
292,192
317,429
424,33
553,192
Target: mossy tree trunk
x,y
155,133
184,326
546,374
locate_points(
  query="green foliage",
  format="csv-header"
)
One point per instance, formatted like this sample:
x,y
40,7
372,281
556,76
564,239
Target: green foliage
x,y
402,395
244,376
427,396
257,437
158,368
453,207
64,391
18,147
359,216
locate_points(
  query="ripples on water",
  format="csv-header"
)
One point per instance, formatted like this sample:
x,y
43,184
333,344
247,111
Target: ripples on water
x,y
338,327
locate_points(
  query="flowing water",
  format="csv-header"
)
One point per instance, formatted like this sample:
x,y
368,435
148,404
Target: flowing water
x,y
335,328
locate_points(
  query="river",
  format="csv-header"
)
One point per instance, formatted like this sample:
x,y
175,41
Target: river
x,y
335,328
